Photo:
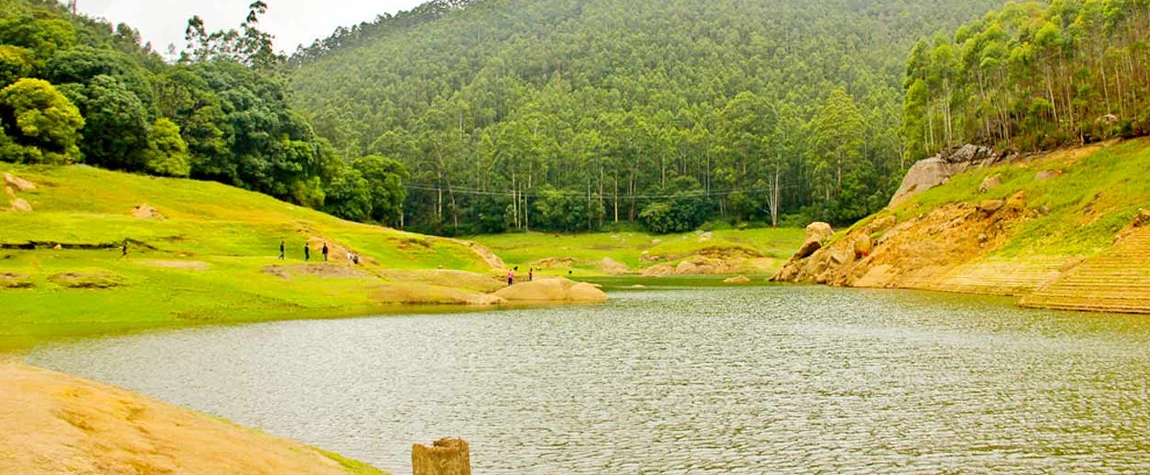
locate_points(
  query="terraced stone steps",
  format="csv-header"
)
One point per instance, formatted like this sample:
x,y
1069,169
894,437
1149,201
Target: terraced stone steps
x,y
1118,280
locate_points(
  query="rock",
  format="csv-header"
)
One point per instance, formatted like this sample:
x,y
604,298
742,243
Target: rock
x,y
658,271
1047,175
819,231
838,258
444,457
687,268
9,191
20,183
742,279
991,206
552,290
808,248
937,170
638,287
863,246
990,183
1044,210
143,211
983,238
20,205
613,267
1143,218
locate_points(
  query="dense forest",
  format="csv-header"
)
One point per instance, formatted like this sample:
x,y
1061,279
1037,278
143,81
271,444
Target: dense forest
x,y
1032,76
486,116
78,90
569,115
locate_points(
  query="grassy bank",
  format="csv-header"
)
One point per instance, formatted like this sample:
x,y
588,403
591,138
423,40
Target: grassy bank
x,y
199,253
1067,229
583,254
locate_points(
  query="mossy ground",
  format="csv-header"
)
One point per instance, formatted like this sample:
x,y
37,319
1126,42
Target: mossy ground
x,y
206,261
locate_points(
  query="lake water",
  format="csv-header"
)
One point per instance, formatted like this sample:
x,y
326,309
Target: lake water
x,y
704,381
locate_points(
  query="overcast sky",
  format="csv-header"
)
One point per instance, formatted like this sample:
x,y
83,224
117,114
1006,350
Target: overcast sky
x,y
293,22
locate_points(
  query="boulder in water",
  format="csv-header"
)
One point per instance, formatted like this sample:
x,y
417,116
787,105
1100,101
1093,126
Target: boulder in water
x,y
552,290
742,279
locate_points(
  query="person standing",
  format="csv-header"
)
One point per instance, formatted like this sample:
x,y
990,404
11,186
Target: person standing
x,y
124,249
531,274
281,250
325,252
511,277
306,252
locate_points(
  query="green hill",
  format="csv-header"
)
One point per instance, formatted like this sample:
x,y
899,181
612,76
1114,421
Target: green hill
x,y
767,108
1065,229
200,252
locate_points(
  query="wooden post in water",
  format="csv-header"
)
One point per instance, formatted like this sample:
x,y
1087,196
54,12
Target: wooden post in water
x,y
444,457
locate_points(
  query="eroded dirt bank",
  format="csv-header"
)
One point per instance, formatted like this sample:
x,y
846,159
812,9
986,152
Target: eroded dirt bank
x,y
1065,230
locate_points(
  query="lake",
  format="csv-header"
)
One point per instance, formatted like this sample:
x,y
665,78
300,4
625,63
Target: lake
x,y
789,380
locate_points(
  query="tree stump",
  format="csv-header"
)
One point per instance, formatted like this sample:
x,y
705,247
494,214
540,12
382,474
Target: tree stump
x,y
444,457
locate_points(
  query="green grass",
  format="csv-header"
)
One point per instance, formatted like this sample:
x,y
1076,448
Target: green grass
x,y
352,467
631,248
227,235
1098,194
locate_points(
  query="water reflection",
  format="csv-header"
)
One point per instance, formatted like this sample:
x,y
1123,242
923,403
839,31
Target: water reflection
x,y
756,380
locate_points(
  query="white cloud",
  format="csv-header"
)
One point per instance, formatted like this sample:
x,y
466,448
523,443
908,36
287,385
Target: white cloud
x,y
293,22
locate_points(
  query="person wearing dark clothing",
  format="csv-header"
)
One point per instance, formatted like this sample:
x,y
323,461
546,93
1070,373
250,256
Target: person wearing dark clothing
x,y
531,275
306,253
355,259
325,252
281,250
124,249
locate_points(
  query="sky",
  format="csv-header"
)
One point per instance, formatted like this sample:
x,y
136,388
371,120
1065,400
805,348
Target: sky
x,y
293,22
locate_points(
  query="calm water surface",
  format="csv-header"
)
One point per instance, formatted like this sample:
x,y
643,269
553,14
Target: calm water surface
x,y
708,381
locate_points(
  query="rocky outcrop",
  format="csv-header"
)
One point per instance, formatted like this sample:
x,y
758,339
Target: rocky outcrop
x,y
20,205
53,423
937,170
613,267
916,253
552,290
18,183
990,183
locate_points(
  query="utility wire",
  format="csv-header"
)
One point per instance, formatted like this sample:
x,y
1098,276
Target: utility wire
x,y
535,194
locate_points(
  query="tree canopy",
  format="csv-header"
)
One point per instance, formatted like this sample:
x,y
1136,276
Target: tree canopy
x,y
504,111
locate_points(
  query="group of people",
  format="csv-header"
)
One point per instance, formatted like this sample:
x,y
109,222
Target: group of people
x,y
307,252
511,275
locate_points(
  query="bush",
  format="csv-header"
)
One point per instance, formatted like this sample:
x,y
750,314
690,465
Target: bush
x,y
41,125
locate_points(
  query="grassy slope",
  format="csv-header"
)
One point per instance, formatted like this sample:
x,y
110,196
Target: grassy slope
x,y
630,248
236,234
1098,194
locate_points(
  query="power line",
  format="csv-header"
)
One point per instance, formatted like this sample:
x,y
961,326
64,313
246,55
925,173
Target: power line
x,y
536,194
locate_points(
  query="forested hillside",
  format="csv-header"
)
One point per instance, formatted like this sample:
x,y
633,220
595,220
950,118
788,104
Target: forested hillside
x,y
79,90
571,114
1031,77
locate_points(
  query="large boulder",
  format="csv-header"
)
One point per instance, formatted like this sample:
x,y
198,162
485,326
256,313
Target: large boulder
x,y
819,231
864,246
990,183
808,248
1047,175
937,170
19,204
613,267
552,290
742,279
19,183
